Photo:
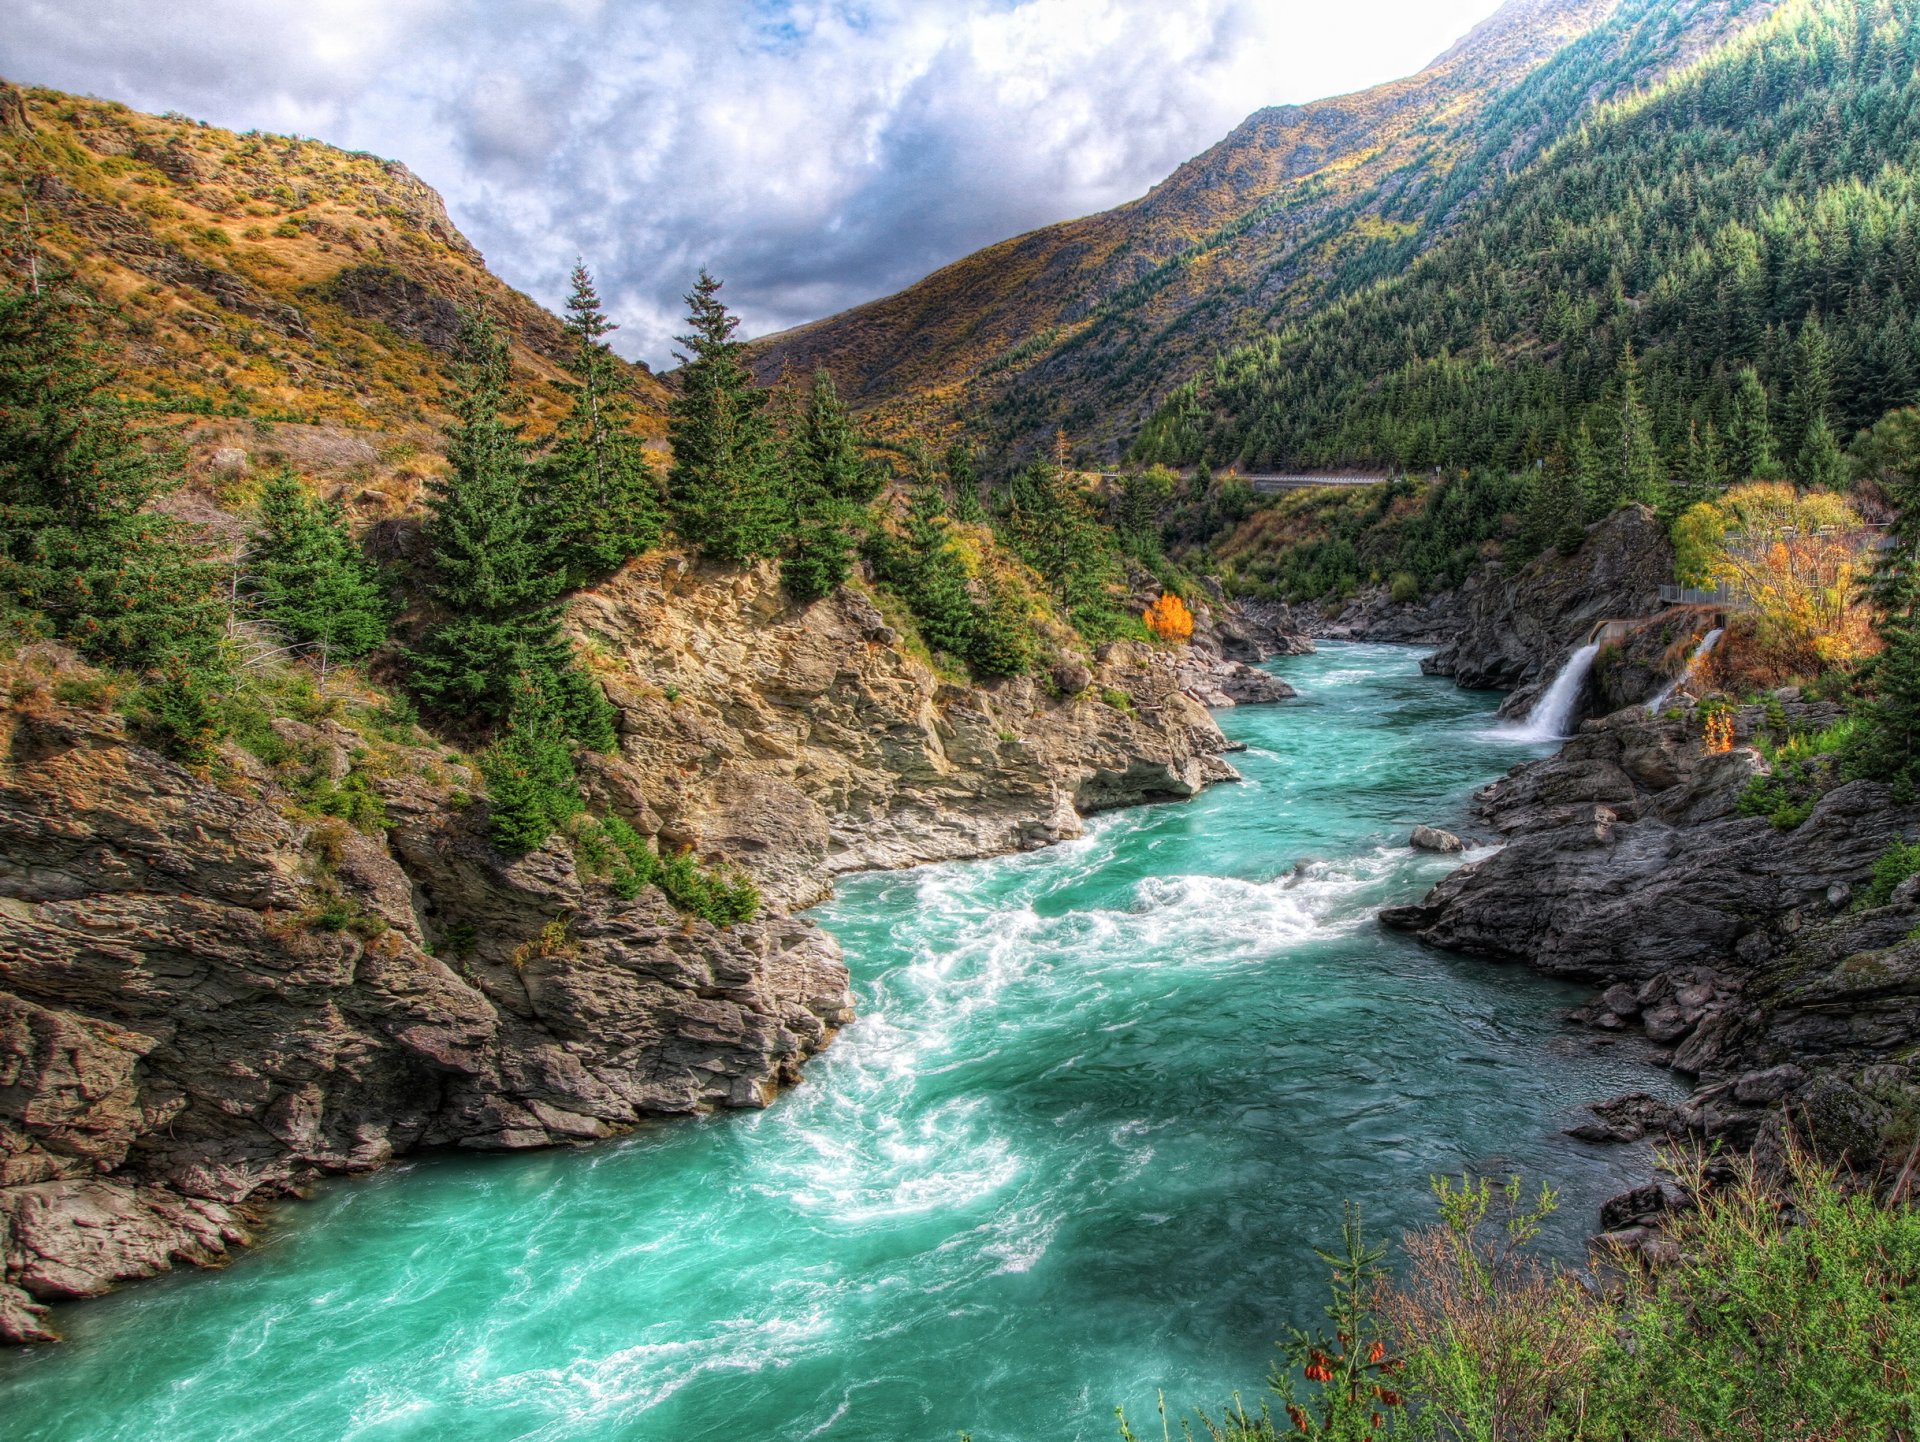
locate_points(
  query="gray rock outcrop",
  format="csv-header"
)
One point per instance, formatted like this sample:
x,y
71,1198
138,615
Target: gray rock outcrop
x,y
1517,631
1730,944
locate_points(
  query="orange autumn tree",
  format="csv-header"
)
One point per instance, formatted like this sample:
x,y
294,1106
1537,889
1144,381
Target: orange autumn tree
x,y
1169,619
1795,559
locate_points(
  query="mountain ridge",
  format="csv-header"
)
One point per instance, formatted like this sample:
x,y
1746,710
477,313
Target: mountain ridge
x,y
1086,325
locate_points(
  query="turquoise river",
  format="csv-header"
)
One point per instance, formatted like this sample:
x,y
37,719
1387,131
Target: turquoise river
x,y
1100,1102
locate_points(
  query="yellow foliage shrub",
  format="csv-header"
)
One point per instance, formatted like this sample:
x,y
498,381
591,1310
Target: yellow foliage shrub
x,y
1169,619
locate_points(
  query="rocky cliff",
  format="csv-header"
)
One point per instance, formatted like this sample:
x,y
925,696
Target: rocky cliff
x,y
1516,631
212,992
806,742
1734,946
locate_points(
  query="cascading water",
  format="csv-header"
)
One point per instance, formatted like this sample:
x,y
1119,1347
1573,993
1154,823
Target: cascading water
x,y
1100,1103
1707,643
1553,712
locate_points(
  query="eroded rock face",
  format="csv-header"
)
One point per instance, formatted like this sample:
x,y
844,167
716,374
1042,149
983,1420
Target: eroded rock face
x,y
183,1033
1728,943
1517,631
803,742
209,997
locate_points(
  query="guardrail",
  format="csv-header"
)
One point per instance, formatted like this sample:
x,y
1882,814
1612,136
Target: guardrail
x,y
1721,595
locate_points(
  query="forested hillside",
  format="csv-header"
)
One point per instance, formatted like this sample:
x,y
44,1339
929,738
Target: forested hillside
x,y
1085,326
1712,280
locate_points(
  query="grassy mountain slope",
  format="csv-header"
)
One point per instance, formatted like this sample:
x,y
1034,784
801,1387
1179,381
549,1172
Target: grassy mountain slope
x,y
297,298
1088,324
1758,208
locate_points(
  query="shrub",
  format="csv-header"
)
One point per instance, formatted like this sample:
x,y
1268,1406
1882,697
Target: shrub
x,y
1787,1308
1896,864
1405,589
1169,619
610,847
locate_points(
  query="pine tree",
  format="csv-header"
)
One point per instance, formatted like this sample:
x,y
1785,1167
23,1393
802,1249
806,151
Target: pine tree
x,y
1638,474
829,484
1886,745
1003,642
79,553
1554,511
1588,473
532,788
1703,475
1812,400
724,489
1750,445
312,582
493,585
963,483
1820,463
600,498
1052,530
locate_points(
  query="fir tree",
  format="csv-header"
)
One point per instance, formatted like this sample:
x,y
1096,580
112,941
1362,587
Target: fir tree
x,y
600,498
1750,445
963,484
724,488
312,582
1588,474
1637,474
1052,530
1702,472
532,788
829,485
80,555
1820,463
493,586
1886,745
1003,642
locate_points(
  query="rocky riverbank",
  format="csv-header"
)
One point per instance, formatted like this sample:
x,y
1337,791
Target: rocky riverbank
x,y
1735,947
211,994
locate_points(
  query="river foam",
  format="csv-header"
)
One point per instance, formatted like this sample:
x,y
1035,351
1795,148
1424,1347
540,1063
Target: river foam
x,y
1100,1103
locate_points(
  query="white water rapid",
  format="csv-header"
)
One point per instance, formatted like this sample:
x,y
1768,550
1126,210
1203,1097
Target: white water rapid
x,y
1549,718
1666,692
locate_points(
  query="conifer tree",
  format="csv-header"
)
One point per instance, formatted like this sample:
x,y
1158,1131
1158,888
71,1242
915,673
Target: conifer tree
x,y
493,584
532,787
600,498
1053,531
963,483
1750,445
829,484
1588,474
1820,463
80,555
312,582
1637,474
724,489
1703,475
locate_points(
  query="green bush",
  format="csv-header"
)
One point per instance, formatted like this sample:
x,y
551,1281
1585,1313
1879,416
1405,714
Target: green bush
x,y
1787,1308
1896,864
610,847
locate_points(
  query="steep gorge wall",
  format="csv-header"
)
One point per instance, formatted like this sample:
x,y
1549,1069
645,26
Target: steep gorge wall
x,y
211,996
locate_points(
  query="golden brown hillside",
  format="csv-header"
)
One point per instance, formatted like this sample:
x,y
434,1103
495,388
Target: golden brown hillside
x,y
1088,324
287,300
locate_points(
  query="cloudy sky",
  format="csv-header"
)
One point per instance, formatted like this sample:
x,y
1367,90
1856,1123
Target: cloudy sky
x,y
813,153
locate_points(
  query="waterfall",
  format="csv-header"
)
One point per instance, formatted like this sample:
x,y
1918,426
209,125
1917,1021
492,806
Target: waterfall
x,y
1666,692
1552,713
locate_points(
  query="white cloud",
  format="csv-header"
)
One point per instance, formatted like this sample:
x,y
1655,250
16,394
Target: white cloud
x,y
815,153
